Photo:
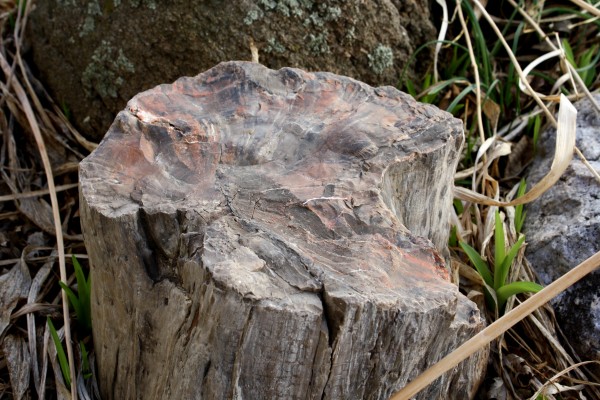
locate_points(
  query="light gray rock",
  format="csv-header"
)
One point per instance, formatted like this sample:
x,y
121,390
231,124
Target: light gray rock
x,y
563,229
95,55
247,232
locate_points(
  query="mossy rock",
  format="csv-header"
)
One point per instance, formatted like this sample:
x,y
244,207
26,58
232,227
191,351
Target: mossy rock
x,y
95,55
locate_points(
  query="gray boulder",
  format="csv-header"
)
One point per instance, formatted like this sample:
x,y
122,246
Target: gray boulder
x,y
563,229
95,55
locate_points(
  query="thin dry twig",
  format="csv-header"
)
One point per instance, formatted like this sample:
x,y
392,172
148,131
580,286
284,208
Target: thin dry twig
x,y
36,193
592,9
475,72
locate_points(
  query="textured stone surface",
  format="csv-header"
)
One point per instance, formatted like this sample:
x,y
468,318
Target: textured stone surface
x,y
95,55
563,229
246,231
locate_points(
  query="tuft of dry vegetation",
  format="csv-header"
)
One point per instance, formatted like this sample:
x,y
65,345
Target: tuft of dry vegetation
x,y
39,218
507,68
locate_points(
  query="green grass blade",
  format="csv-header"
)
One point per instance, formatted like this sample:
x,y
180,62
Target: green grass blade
x,y
83,291
424,46
499,250
82,284
520,222
72,298
85,361
587,65
519,212
438,87
458,65
516,288
60,352
478,262
461,95
482,54
458,206
510,256
568,52
410,88
452,239
537,126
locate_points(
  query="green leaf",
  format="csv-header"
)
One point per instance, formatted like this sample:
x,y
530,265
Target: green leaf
x,y
510,256
85,361
458,206
568,52
83,292
478,262
520,222
438,87
482,54
60,352
452,239
516,288
537,125
587,65
461,95
410,88
519,213
499,250
82,284
72,298
458,64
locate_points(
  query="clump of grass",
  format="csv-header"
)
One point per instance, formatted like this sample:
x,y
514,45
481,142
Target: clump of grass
x,y
35,131
496,288
479,79
81,301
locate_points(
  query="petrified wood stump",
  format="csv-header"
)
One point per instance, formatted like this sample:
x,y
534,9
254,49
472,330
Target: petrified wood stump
x,y
259,234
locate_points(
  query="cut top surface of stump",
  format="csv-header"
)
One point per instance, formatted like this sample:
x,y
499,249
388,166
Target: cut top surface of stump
x,y
305,154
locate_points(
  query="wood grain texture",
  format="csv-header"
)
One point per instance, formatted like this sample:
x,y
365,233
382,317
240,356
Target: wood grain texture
x,y
274,234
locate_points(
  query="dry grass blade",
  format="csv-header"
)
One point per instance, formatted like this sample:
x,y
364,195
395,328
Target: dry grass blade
x,y
13,286
83,142
498,149
531,66
565,143
441,38
253,50
475,71
587,7
55,209
36,284
36,193
550,382
549,42
497,328
19,361
573,73
514,60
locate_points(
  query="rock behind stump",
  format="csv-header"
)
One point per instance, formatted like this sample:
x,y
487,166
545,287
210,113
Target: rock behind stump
x,y
95,55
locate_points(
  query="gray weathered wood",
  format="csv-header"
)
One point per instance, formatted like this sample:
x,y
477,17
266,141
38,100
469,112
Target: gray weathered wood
x,y
259,234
